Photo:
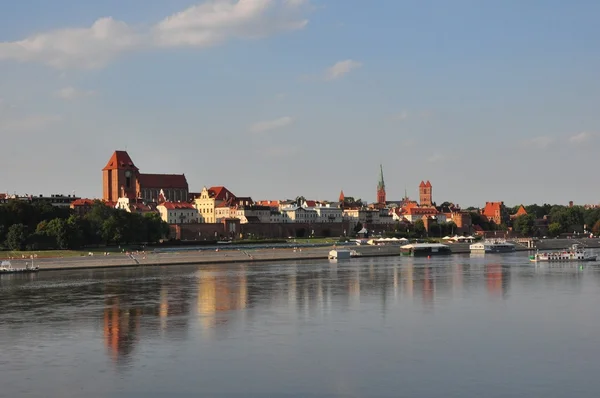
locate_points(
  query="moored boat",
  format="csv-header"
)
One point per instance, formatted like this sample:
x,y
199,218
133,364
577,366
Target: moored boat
x,y
492,246
7,268
575,253
424,249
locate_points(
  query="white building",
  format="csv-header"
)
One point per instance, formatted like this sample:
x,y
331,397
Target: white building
x,y
328,214
300,215
178,212
253,214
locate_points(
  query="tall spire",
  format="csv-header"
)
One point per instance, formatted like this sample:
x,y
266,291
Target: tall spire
x,y
381,183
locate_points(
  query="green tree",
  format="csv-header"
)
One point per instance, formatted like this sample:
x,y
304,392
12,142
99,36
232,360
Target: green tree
x,y
420,228
554,229
16,237
524,225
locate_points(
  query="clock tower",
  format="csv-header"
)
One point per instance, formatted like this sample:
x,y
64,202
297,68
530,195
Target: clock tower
x,y
120,178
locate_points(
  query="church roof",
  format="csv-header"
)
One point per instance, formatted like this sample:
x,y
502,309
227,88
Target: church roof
x,y
163,181
120,160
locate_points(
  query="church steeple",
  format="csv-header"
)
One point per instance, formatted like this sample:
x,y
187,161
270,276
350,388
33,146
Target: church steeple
x,y
381,187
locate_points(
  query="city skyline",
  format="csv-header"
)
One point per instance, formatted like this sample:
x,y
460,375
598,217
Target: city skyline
x,y
488,103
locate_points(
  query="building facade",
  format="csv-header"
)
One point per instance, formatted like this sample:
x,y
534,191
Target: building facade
x,y
122,178
425,194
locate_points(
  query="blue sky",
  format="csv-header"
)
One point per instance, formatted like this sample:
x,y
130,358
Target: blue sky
x,y
278,98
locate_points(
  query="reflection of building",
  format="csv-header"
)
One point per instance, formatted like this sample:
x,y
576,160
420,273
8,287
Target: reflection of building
x,y
220,293
496,279
121,328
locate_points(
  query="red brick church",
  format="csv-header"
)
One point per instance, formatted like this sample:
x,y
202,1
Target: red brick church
x,y
121,178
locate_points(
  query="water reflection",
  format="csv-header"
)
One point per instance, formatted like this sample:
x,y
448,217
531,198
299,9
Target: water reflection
x,y
128,312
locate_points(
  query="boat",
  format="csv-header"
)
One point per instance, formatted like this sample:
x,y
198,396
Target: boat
x,y
575,253
492,246
340,254
224,242
7,268
424,249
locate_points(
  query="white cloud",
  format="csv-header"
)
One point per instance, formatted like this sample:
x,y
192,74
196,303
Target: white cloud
x,y
581,137
539,142
268,125
210,23
27,123
341,68
70,93
75,47
216,21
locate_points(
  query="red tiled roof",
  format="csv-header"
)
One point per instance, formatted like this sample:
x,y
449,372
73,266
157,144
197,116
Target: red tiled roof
x,y
422,211
220,193
422,184
311,203
120,160
177,205
270,203
163,181
428,184
342,197
82,202
521,211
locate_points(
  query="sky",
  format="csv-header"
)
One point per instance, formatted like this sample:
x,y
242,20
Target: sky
x,y
488,100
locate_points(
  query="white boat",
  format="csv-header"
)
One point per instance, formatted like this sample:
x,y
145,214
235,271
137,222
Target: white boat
x,y
492,246
339,254
575,253
7,268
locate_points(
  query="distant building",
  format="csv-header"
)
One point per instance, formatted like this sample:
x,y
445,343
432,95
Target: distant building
x,y
520,212
178,212
121,178
425,194
82,206
496,212
381,196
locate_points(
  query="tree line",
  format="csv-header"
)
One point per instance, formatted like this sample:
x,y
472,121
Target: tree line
x,y
41,226
561,220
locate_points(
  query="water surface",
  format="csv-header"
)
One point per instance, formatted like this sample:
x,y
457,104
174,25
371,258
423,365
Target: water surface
x,y
458,326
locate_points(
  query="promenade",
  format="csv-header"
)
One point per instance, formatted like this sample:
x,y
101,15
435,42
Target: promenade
x,y
202,257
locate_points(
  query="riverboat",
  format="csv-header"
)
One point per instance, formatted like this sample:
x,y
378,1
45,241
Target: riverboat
x,y
492,246
424,249
575,253
7,268
341,254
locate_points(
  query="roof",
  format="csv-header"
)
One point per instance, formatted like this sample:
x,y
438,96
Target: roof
x,y
311,203
521,211
253,219
163,181
82,202
220,193
270,203
428,184
177,205
120,160
423,245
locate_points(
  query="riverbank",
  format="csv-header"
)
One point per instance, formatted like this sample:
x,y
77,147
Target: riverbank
x,y
245,255
137,259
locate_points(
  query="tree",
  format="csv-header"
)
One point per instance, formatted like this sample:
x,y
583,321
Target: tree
x,y
420,227
596,228
16,237
554,229
524,225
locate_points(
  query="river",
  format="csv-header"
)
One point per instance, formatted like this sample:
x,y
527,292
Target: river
x,y
455,326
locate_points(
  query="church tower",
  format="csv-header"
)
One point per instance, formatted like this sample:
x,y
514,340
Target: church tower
x,y
120,178
381,188
425,195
